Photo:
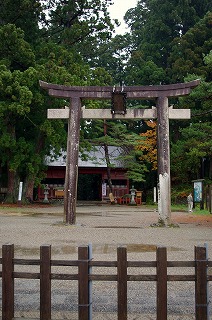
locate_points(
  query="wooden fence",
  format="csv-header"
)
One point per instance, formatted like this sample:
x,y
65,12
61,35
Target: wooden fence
x,y
84,275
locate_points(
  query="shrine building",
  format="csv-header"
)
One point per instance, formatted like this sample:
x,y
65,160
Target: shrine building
x,y
92,176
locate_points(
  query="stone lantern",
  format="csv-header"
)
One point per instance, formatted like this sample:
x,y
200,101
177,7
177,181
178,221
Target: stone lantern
x,y
46,192
133,194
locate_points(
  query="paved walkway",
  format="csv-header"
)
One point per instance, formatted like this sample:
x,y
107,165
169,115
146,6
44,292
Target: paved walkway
x,y
106,227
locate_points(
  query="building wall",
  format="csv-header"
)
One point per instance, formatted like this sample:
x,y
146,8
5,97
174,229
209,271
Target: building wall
x,y
55,180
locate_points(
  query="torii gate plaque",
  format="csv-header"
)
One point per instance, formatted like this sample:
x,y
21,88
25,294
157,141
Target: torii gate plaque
x,y
162,112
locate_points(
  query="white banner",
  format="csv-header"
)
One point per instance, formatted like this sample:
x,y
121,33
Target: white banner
x,y
104,189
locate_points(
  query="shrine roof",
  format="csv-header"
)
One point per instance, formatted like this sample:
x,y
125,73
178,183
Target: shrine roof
x,y
93,158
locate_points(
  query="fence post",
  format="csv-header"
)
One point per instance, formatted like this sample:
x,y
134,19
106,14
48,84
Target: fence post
x,y
201,292
7,282
122,282
161,283
45,282
90,282
83,284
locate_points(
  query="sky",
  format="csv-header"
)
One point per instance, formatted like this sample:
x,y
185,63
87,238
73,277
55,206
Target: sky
x,y
118,10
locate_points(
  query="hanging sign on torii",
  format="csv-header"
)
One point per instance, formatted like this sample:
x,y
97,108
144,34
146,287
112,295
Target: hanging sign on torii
x,y
162,112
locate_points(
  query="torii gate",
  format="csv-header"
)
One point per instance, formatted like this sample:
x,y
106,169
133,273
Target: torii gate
x,y
162,112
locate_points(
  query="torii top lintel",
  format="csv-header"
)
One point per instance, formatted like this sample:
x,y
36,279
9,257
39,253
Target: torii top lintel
x,y
133,92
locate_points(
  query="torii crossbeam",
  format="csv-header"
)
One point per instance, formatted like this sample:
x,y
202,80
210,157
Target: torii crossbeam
x,y
162,112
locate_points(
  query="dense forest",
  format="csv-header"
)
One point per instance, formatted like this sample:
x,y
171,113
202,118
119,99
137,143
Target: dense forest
x,y
74,43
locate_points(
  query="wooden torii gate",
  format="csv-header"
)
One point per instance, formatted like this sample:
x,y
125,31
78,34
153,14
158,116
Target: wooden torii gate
x,y
162,112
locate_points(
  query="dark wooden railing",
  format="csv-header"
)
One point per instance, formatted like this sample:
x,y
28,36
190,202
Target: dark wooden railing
x,y
84,263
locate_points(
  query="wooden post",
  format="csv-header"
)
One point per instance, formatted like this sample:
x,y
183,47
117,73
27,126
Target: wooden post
x,y
83,291
7,282
122,282
70,196
164,201
201,290
161,283
45,282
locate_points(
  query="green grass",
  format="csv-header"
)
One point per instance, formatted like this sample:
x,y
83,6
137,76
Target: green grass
x,y
196,210
179,207
203,212
184,208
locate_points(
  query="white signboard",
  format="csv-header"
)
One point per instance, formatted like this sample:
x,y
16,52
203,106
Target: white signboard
x,y
104,189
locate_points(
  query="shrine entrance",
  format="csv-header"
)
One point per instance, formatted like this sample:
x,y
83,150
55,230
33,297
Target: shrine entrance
x,y
119,96
89,187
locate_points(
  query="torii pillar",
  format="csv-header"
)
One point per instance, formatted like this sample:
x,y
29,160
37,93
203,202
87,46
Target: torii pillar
x,y
71,178
162,112
163,161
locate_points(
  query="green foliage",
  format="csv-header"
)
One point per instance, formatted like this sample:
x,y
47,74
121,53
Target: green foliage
x,y
116,133
155,23
25,14
15,52
187,153
82,24
188,52
72,43
140,72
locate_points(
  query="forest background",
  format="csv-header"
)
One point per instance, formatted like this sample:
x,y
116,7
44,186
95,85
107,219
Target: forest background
x,y
73,43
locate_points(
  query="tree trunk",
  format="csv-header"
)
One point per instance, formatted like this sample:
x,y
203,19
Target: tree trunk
x,y
12,180
12,187
29,182
28,190
210,168
107,158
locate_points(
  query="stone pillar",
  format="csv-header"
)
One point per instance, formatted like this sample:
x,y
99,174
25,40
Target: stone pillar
x,y
164,199
70,195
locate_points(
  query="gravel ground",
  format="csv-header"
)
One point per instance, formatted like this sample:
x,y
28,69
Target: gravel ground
x,y
105,227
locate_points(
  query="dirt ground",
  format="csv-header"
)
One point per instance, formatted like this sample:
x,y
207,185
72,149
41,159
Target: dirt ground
x,y
195,219
180,217
105,227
